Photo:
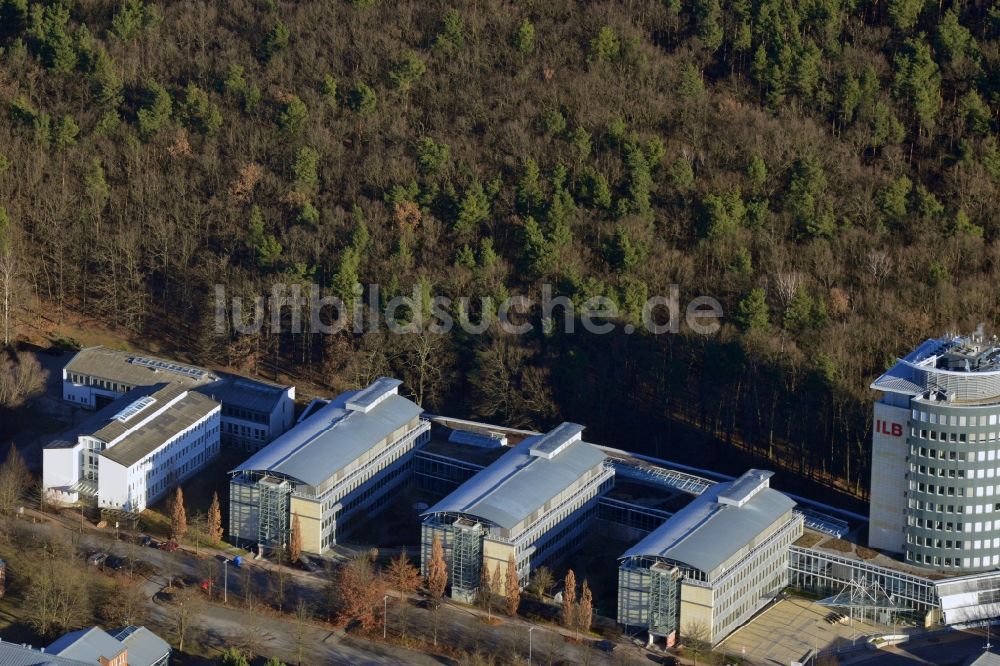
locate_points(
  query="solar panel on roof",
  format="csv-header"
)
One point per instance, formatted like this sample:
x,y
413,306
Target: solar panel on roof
x,y
157,364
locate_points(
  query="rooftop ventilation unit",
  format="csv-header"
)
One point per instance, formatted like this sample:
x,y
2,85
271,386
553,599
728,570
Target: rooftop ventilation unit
x,y
744,488
367,398
552,443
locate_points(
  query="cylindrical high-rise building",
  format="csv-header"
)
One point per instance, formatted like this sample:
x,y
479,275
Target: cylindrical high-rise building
x,y
935,484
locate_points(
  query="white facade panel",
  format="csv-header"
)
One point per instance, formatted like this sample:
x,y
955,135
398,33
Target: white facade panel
x,y
112,486
60,467
77,394
887,522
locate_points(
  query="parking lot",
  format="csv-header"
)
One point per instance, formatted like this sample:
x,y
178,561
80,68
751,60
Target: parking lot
x,y
791,628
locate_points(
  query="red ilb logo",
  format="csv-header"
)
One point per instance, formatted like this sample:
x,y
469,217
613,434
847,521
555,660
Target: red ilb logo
x,y
886,428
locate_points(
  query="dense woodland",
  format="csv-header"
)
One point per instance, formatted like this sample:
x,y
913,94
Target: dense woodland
x,y
828,169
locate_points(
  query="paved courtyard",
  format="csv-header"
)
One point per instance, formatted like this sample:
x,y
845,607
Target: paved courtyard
x,y
789,629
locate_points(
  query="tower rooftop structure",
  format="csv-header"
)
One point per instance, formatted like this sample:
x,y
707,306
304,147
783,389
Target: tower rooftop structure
x,y
959,369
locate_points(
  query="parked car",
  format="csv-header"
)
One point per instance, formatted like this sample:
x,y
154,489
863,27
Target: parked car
x,y
605,646
114,563
146,540
97,558
169,546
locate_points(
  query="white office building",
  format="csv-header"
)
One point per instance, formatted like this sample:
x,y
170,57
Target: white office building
x,y
254,412
134,450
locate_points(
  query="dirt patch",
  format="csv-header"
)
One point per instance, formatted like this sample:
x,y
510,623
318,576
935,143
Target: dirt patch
x,y
808,540
838,545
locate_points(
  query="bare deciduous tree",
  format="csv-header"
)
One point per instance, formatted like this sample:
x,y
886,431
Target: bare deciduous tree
x,y
786,285
57,596
21,378
183,612
15,479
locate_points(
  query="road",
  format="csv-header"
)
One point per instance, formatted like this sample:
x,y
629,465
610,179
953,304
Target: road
x,y
219,626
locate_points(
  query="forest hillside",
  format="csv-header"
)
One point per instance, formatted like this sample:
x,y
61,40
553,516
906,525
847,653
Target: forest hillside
x,y
827,169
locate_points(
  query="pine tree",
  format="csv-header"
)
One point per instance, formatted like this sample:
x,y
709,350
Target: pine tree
x,y
585,610
808,200
639,182
214,520
513,595
432,157
622,254
293,117
605,46
799,313
751,314
473,209
295,540
437,570
917,82
904,13
156,110
198,112
264,247
178,517
569,600
406,71
276,40
524,41
107,84
529,189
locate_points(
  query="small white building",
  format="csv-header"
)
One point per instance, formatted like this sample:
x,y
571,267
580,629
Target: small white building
x,y
133,451
254,412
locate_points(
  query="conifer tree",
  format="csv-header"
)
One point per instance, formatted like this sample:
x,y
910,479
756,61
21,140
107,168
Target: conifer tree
x,y
295,540
513,595
585,609
214,520
484,595
569,600
437,570
178,516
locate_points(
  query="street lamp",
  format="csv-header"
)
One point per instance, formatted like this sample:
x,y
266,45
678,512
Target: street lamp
x,y
530,629
385,615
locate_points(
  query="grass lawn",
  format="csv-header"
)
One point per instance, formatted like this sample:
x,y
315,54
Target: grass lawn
x,y
197,497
